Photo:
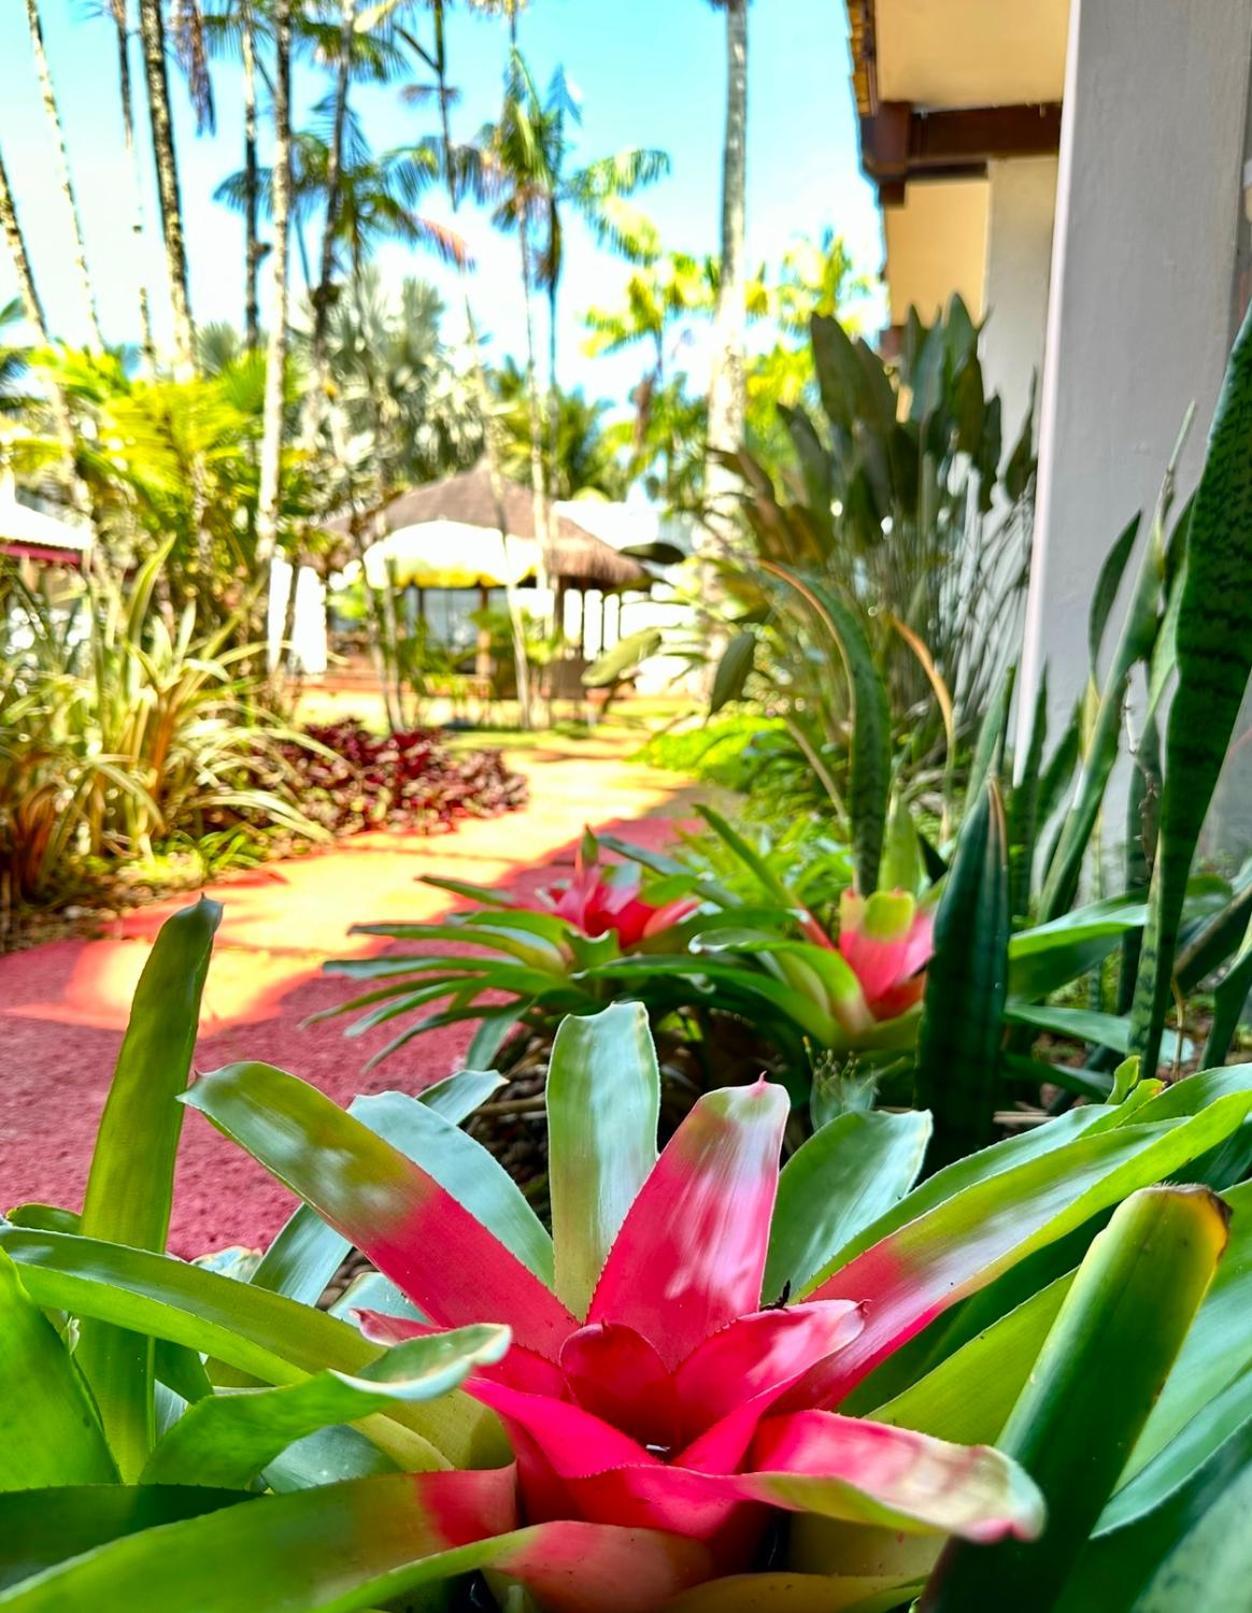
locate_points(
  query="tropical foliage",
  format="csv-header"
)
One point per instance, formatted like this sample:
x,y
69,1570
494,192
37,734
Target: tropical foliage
x,y
714,1382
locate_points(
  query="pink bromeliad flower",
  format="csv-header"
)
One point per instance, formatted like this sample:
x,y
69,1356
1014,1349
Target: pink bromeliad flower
x,y
662,1398
888,939
601,898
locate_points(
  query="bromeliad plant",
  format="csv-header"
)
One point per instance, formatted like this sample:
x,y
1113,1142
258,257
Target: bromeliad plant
x,y
668,932
716,1386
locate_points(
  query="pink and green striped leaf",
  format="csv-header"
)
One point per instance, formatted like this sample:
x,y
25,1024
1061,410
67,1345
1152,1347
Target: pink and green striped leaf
x,y
363,1544
433,1248
913,1275
691,1252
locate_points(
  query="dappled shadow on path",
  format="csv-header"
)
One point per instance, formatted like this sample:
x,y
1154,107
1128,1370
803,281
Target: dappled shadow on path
x,y
63,1004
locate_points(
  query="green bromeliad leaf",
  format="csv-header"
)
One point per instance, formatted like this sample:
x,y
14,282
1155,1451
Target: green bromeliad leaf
x,y
50,1431
131,1181
836,1184
603,1099
360,1545
1129,1308
270,1338
228,1438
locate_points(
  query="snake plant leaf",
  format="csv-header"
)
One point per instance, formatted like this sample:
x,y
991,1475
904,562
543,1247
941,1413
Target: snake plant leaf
x,y
226,1439
1213,942
131,1180
869,781
1230,999
958,1044
1214,659
1023,807
51,1432
988,758
603,1098
1108,585
1134,644
1091,1390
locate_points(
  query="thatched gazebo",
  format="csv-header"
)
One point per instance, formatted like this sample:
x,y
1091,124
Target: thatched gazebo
x,y
446,535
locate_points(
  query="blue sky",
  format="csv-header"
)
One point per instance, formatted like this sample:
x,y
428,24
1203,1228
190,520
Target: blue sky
x,y
650,73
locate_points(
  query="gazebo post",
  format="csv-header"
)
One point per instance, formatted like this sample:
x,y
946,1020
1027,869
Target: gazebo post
x,y
483,664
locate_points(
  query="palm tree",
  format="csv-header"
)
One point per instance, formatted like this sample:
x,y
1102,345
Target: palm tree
x,y
11,225
118,10
32,307
512,169
323,291
269,492
152,33
240,25
53,114
451,161
727,389
599,193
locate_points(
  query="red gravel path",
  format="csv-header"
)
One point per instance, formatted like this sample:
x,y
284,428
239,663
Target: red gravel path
x,y
63,1004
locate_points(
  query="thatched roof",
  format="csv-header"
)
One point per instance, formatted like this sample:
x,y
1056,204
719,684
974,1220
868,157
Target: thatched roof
x,y
574,556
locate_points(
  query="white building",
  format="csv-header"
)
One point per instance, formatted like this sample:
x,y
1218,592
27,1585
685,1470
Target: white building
x,y
1078,170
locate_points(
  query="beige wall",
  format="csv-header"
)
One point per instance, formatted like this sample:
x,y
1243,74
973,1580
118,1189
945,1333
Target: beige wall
x,y
937,244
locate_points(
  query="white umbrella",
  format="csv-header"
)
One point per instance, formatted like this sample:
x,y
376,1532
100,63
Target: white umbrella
x,y
448,554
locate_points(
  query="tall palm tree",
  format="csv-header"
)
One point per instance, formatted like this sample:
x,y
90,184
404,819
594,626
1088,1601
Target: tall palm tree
x,y
728,388
599,192
118,11
11,225
53,114
152,33
452,162
240,27
269,492
512,169
32,307
323,291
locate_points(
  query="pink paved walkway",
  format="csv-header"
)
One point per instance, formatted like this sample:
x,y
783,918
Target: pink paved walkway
x,y
63,1004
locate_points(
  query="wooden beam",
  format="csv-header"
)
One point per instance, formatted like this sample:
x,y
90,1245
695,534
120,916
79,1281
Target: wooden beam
x,y
899,143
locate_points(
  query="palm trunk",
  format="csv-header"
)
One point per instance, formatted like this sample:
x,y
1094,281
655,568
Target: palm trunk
x,y
152,31
9,222
334,168
727,392
252,190
538,490
491,429
33,309
52,112
126,97
269,494
554,397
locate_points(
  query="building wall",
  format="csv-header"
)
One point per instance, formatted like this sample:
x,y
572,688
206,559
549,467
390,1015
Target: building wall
x,y
1019,255
1143,289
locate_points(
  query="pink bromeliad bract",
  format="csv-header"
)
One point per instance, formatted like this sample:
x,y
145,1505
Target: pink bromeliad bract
x,y
606,898
655,1384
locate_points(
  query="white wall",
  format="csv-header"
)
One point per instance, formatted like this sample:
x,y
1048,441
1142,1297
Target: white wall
x,y
1019,259
1143,281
